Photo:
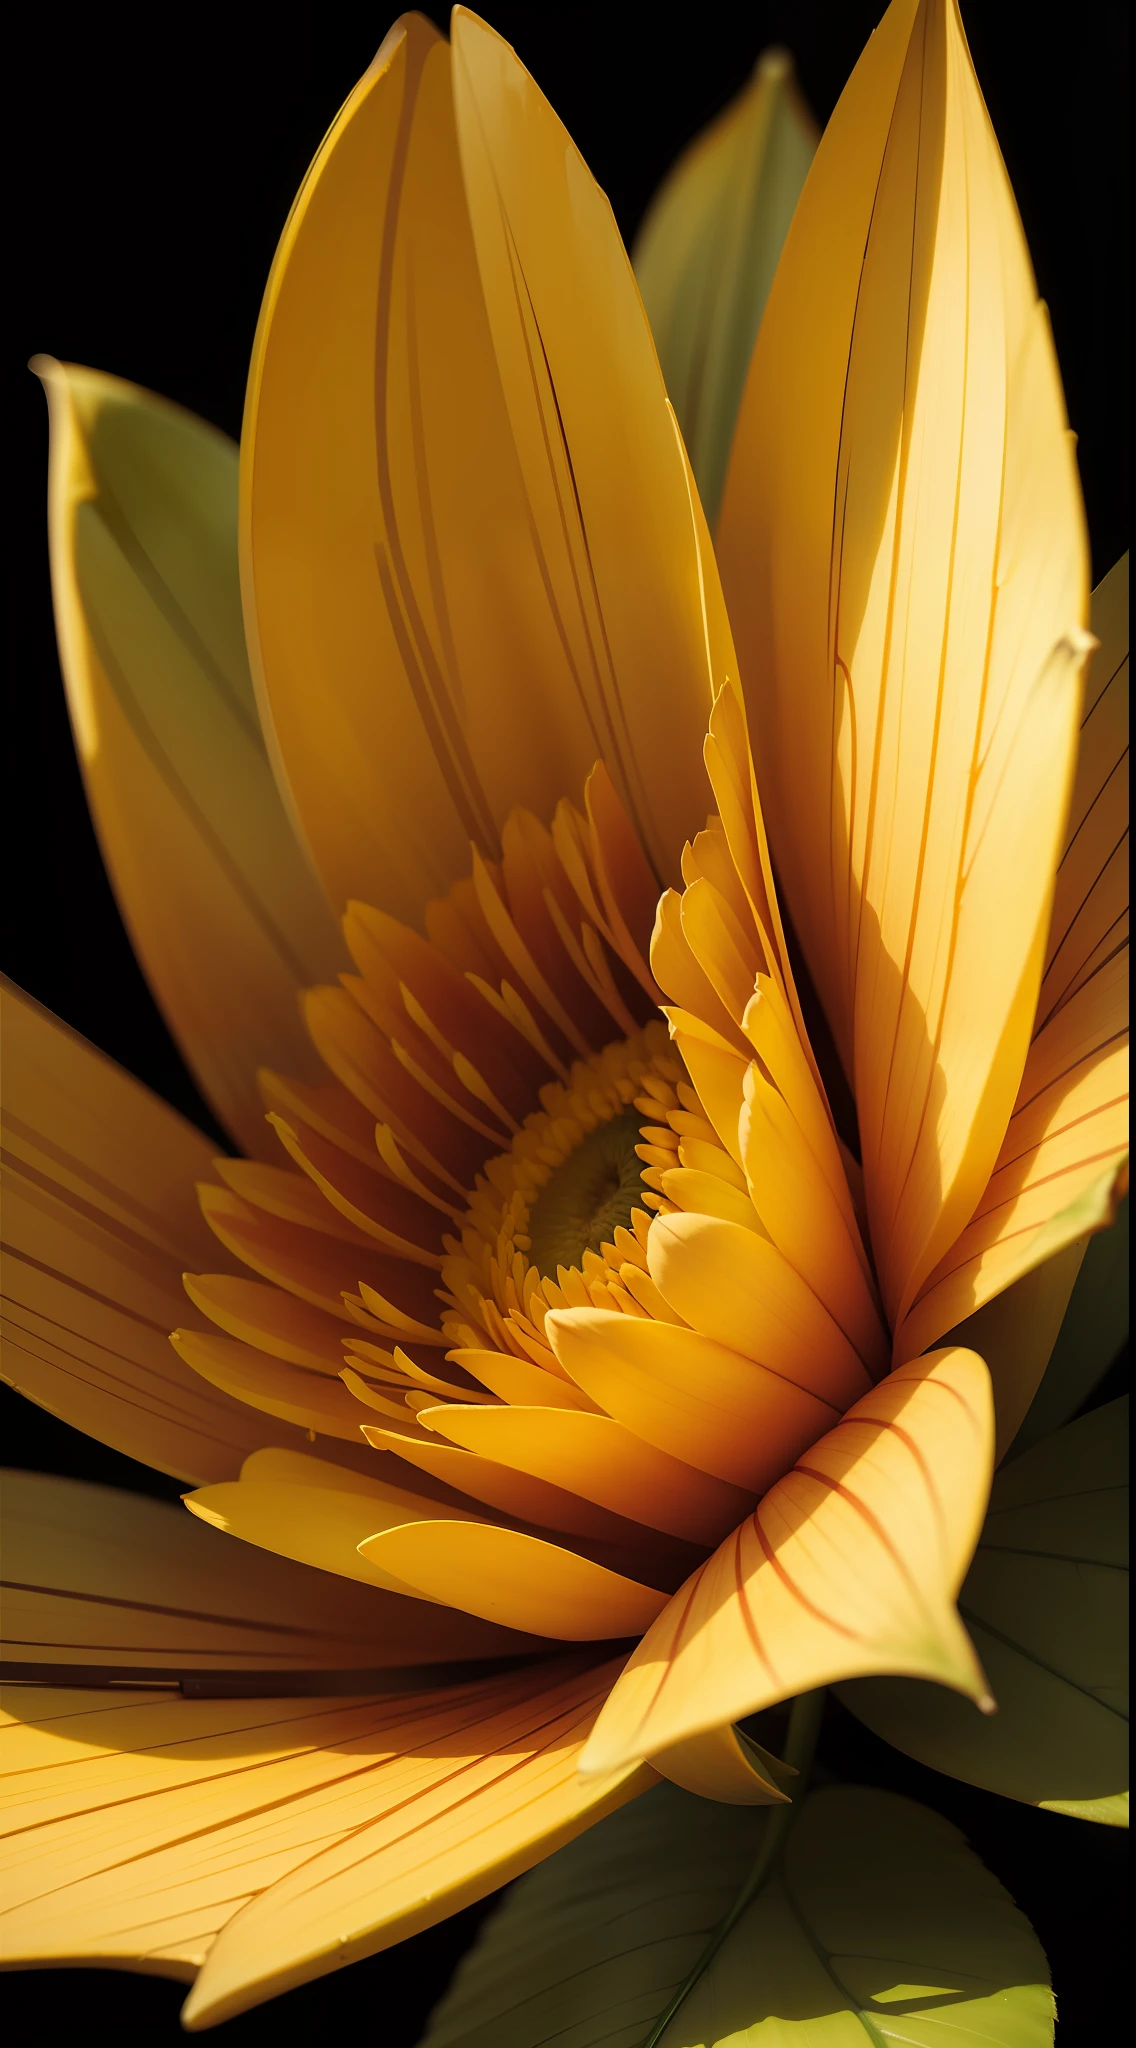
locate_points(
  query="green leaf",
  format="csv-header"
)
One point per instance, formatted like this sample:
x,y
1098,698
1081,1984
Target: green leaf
x,y
879,1925
1094,1329
707,251
1046,1603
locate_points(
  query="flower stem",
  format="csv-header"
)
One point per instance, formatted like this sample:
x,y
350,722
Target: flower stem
x,y
800,1742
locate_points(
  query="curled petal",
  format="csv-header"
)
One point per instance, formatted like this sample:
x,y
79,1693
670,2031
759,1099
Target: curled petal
x,y
850,1565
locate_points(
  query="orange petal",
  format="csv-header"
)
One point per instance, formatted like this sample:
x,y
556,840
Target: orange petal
x,y
518,1495
739,1289
688,1395
850,1565
518,1581
311,1400
596,1457
100,1222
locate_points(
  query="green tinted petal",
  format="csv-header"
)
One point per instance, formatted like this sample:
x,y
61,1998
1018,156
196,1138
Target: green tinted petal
x,y
707,250
223,911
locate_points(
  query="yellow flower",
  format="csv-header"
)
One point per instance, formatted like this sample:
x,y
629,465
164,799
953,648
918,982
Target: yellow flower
x,y
644,1351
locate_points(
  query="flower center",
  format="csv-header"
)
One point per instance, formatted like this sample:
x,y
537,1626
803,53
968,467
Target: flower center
x,y
588,1197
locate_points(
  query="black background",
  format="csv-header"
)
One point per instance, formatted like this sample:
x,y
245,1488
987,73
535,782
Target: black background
x,y
154,157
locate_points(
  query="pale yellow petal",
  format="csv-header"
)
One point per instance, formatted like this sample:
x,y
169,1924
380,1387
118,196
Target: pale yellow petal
x,y
224,913
104,1790
904,555
100,1221
849,1566
707,251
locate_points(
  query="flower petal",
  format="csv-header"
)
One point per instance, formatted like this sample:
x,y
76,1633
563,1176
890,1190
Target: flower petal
x,y
596,1457
145,1823
707,250
740,1290
689,1396
849,1565
428,644
1090,905
516,1580
314,1401
1069,1130
222,909
603,468
100,1221
105,1586
901,533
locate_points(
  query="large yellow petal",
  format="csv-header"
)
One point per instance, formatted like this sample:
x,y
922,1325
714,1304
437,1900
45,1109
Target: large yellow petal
x,y
904,555
102,1585
602,464
1069,1131
1063,1163
849,1566
141,1826
223,911
707,251
100,1221
1089,924
438,632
